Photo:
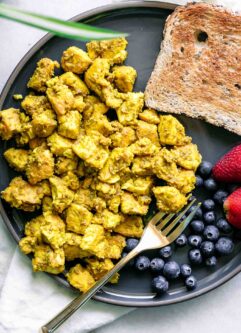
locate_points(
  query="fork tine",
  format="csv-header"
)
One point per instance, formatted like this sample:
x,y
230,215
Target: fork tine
x,y
175,221
156,218
162,223
182,226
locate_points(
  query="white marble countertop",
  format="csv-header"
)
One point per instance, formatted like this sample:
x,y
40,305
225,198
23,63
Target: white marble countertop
x,y
219,310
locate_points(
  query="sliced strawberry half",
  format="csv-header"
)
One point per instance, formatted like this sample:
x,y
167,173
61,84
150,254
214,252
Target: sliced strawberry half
x,y
232,207
228,168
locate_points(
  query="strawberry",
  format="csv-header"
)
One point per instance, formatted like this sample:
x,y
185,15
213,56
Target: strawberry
x,y
228,168
232,207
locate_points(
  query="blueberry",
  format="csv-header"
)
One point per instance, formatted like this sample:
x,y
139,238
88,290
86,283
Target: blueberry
x,y
205,169
186,270
210,185
211,262
207,248
171,270
211,233
224,246
131,243
199,181
197,226
166,252
231,187
157,265
191,282
198,214
181,240
131,262
195,256
209,217
220,196
195,240
142,263
160,284
208,205
224,226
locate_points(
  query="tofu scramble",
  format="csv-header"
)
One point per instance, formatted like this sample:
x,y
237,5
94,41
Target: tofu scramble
x,y
91,157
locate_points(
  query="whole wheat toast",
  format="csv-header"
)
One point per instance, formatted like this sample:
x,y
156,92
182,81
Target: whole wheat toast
x,y
198,70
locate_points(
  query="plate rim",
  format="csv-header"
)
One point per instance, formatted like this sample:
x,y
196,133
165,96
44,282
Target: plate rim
x,y
95,11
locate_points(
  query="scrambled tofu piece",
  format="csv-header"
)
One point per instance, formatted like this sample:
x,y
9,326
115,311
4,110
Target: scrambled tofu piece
x,y
184,181
124,78
26,133
164,165
143,147
47,204
96,78
132,205
92,154
69,124
130,226
85,197
64,164
94,105
98,123
36,142
99,268
62,195
53,236
27,244
146,130
35,104
60,96
71,180
93,235
75,84
172,132
187,156
78,218
60,146
10,123
99,205
43,73
80,278
108,219
115,246
142,166
44,123
138,185
119,159
33,228
75,60
79,103
22,195
40,165
72,249
169,199
128,111
114,203
48,260
114,50
17,158
150,116
105,188
123,137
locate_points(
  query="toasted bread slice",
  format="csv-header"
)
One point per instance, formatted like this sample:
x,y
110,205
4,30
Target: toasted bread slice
x,y
198,70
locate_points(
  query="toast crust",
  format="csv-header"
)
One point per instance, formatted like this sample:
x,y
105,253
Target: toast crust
x,y
198,70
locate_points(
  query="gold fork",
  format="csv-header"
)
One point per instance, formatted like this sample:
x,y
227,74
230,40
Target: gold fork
x,y
160,231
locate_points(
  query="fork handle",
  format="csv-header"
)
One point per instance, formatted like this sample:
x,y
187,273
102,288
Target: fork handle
x,y
79,301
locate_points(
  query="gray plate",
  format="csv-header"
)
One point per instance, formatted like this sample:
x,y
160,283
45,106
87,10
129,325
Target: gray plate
x,y
145,23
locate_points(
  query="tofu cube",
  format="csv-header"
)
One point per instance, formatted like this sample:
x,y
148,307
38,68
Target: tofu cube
x,y
48,260
145,130
69,124
10,123
75,60
80,278
78,218
61,146
130,226
128,112
75,84
150,116
169,199
124,78
132,205
44,123
17,158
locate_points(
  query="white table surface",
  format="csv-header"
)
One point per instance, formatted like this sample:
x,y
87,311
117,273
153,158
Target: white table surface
x,y
218,311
